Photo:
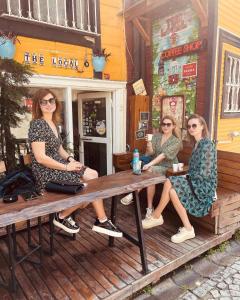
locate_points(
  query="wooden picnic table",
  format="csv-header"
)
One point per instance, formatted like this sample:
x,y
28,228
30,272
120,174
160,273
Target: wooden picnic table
x,y
111,186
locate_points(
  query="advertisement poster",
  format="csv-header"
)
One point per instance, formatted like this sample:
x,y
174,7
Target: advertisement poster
x,y
176,75
174,106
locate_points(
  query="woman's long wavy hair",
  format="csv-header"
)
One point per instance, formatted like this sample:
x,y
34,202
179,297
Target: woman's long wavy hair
x,y
205,132
36,109
176,130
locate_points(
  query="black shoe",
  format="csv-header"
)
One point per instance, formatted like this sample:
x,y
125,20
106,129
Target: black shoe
x,y
106,227
67,224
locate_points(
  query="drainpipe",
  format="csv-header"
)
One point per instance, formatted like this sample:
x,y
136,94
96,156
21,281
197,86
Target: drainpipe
x,y
211,69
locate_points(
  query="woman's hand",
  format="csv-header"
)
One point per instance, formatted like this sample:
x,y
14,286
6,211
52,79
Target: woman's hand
x,y
147,166
74,166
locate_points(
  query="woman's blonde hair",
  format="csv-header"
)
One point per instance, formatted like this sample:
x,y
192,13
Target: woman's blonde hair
x,y
205,132
36,109
176,130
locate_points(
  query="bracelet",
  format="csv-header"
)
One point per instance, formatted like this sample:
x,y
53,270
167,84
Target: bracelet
x,y
70,156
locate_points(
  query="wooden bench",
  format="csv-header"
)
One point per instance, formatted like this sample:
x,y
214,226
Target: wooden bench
x,y
225,212
103,187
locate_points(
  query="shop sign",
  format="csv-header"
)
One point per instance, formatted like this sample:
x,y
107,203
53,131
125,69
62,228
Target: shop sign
x,y
60,62
189,70
173,79
183,49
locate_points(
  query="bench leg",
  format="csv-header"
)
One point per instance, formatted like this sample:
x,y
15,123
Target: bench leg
x,y
141,241
13,281
51,233
113,218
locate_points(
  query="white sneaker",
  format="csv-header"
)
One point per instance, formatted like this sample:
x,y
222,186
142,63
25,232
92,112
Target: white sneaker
x,y
149,212
183,235
128,199
152,222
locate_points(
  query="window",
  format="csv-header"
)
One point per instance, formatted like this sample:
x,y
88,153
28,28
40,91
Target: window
x,y
79,15
231,86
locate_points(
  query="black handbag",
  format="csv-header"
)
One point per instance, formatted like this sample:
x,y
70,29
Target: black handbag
x,y
64,187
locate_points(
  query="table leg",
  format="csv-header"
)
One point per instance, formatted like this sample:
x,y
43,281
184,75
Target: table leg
x,y
14,239
113,218
13,282
51,233
140,232
40,240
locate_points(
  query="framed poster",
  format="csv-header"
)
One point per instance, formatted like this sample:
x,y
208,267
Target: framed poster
x,y
175,107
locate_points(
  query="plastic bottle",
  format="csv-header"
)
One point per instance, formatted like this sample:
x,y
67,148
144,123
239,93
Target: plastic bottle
x,y
136,162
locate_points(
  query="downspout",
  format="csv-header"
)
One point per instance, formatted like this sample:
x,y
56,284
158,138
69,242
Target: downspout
x,y
211,69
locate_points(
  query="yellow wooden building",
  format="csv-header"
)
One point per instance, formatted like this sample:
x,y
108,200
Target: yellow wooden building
x,y
226,91
57,38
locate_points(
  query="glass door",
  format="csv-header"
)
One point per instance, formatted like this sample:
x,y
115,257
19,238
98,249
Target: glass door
x,y
95,128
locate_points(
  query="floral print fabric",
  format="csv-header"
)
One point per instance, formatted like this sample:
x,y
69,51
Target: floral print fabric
x,y
203,175
170,148
40,131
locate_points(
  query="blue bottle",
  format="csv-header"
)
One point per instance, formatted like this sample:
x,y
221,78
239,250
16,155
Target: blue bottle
x,y
136,162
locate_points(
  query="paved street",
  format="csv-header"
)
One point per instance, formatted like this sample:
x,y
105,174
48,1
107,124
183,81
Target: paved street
x,y
215,275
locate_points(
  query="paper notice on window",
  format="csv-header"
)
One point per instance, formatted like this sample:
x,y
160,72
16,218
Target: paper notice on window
x,y
139,88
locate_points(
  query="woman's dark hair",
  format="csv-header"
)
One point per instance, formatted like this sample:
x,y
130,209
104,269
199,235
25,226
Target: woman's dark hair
x,y
36,110
205,132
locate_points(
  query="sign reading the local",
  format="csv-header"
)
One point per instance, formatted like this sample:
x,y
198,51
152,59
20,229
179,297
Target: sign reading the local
x,y
60,62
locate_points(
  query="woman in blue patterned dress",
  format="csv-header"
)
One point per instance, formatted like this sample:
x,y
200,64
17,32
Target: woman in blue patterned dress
x,y
50,161
195,192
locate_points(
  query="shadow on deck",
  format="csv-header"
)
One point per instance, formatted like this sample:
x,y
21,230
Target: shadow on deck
x,y
88,269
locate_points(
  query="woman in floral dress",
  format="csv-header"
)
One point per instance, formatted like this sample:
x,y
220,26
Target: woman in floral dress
x,y
163,148
195,192
50,162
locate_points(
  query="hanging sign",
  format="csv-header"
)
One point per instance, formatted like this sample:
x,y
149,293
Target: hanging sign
x,y
183,49
189,70
56,61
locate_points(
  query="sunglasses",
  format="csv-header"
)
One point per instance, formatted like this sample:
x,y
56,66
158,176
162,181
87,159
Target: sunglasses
x,y
44,102
194,126
166,124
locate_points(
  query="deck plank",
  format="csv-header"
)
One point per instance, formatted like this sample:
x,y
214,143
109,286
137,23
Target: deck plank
x,y
88,269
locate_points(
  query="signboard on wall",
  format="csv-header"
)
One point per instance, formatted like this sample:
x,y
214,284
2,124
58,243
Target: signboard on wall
x,y
189,70
174,106
175,45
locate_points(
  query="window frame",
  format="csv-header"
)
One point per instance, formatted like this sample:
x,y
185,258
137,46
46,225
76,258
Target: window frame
x,y
226,70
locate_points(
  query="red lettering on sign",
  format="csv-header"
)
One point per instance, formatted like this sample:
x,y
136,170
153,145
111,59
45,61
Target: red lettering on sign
x,y
184,49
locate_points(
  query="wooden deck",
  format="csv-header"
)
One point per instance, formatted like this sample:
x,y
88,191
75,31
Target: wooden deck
x,y
88,269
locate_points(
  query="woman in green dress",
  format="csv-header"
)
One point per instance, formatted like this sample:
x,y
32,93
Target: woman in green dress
x,y
163,148
195,192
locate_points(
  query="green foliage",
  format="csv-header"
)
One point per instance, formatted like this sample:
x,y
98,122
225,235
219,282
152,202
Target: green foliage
x,y
148,289
14,78
219,249
236,235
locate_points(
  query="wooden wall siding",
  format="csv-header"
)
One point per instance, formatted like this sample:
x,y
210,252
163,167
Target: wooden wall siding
x,y
226,126
228,15
113,38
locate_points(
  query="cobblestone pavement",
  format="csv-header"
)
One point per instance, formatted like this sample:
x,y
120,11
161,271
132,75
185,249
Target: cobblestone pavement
x,y
210,277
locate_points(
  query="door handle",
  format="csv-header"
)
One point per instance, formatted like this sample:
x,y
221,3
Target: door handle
x,y
85,139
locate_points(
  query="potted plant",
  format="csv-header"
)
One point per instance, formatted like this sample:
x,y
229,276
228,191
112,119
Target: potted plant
x,y
99,58
7,44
